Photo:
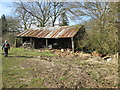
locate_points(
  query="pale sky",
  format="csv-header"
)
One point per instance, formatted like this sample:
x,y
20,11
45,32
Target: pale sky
x,y
5,8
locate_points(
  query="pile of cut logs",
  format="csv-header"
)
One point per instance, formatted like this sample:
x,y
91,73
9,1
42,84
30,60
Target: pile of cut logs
x,y
26,45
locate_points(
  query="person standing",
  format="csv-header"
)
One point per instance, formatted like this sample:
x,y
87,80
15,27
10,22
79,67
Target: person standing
x,y
6,47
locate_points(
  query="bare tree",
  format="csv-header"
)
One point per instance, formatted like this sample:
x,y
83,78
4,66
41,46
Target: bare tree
x,y
26,20
13,24
56,10
39,10
43,12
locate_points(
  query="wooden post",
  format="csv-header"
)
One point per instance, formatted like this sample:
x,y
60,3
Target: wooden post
x,y
46,43
15,41
31,42
22,41
72,40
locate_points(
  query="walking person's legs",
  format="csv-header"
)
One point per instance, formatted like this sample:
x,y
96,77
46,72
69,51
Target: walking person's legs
x,y
6,52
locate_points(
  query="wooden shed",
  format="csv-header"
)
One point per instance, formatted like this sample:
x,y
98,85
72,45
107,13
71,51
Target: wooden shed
x,y
53,37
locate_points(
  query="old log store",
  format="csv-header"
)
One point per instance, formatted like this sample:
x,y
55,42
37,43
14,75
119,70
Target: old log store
x,y
65,37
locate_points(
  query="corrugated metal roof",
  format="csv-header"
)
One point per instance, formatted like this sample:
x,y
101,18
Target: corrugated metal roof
x,y
51,32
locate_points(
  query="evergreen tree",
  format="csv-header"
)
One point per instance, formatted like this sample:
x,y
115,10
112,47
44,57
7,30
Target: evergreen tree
x,y
63,19
4,24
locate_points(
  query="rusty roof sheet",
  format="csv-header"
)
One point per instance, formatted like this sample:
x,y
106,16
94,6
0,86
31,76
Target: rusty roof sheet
x,y
52,32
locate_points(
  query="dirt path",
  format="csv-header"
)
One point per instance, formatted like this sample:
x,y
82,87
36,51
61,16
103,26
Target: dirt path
x,y
71,72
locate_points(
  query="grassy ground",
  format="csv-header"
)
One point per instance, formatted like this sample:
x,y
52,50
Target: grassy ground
x,y
12,71
32,69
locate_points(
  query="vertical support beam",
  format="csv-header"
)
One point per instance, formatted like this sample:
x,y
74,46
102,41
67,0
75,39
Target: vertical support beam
x,y
22,41
15,41
46,43
73,48
31,42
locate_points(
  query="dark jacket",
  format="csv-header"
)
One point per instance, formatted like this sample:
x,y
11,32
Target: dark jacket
x,y
6,45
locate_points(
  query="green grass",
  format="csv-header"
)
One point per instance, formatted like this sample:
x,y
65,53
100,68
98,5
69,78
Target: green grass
x,y
80,62
37,82
12,72
94,76
63,78
29,52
